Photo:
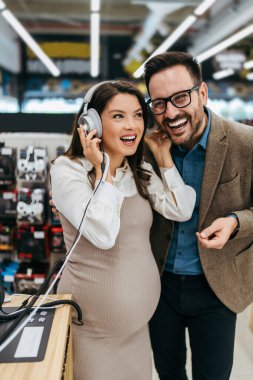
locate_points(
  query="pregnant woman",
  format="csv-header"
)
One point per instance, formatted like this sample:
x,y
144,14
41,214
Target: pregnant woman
x,y
112,273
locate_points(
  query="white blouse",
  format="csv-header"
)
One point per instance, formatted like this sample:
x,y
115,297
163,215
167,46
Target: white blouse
x,y
72,191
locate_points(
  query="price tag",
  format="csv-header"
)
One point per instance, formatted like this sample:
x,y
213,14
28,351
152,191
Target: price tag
x,y
38,280
6,151
39,234
8,278
9,195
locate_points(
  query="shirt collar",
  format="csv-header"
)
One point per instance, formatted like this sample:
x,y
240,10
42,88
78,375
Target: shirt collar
x,y
120,172
203,141
88,166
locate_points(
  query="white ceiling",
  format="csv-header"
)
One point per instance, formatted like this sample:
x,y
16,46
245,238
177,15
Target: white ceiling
x,y
150,21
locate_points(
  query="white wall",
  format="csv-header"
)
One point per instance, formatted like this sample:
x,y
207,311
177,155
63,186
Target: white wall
x,y
45,140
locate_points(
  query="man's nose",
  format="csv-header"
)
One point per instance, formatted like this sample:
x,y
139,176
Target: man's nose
x,y
171,111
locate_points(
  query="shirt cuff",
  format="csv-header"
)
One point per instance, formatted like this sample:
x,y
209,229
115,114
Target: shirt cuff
x,y
172,177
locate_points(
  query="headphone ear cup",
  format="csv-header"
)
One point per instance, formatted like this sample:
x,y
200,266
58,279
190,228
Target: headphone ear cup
x,y
93,121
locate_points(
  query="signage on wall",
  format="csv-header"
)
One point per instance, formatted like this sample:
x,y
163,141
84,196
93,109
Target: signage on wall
x,y
229,59
69,57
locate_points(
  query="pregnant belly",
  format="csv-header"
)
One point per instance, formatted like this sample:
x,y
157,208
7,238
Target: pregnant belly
x,y
118,301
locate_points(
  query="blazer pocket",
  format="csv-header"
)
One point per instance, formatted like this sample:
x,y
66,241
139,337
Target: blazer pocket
x,y
232,183
228,196
244,267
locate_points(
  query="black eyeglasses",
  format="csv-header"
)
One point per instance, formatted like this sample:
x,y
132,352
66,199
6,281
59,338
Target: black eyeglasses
x,y
179,99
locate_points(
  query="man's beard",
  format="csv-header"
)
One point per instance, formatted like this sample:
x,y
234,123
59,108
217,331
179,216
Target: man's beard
x,y
192,131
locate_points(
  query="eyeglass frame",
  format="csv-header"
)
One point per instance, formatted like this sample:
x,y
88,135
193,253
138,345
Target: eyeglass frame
x,y
169,99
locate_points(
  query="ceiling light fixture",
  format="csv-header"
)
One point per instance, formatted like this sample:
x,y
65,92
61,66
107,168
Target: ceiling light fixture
x,y
94,43
223,74
202,8
248,65
173,37
11,19
249,76
225,43
2,5
95,6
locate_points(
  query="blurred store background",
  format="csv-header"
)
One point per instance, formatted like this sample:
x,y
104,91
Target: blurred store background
x,y
52,50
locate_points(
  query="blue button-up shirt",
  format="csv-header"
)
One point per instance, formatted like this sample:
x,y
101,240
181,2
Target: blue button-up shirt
x,y
183,256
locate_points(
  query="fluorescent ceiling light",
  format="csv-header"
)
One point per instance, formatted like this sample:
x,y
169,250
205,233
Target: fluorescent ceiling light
x,y
94,43
2,5
11,19
249,76
225,43
223,74
202,8
248,64
95,6
173,37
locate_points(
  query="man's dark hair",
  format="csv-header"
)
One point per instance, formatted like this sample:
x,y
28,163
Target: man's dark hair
x,y
172,58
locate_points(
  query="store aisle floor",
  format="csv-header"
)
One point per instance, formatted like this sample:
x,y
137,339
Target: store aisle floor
x,y
243,358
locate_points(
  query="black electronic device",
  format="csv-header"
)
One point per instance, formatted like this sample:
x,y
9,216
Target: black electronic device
x,y
31,342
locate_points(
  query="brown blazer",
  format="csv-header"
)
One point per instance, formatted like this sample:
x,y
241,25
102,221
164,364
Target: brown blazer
x,y
227,187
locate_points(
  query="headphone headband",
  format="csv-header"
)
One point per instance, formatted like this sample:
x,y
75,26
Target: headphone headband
x,y
90,117
90,92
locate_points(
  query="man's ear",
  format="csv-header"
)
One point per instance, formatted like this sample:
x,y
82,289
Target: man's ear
x,y
203,92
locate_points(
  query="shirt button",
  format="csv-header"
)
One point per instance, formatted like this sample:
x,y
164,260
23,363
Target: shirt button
x,y
179,253
182,232
161,197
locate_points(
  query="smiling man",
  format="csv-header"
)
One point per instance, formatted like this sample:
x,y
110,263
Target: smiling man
x,y
206,262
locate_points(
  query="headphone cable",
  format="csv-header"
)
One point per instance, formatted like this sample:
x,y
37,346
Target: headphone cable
x,y
5,340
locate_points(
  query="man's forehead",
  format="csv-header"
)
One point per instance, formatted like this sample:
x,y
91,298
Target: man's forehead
x,y
169,88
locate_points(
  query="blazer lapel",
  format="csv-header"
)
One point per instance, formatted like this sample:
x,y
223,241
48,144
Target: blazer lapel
x,y
215,156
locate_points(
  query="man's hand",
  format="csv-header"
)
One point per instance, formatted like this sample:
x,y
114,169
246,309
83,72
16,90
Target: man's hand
x,y
218,233
51,202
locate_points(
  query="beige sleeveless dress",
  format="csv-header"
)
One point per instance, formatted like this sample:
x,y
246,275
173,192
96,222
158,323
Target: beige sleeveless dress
x,y
118,290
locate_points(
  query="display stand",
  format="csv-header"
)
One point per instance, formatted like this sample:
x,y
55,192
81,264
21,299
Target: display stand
x,y
58,360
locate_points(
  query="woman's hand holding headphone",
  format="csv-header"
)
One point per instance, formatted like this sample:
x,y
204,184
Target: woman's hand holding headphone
x,y
91,149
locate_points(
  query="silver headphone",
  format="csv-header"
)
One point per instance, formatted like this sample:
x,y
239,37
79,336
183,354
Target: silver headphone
x,y
90,119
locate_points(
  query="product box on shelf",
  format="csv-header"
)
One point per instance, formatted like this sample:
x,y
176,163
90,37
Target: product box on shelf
x,y
32,242
30,276
7,165
8,204
8,269
31,206
7,238
56,240
32,165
